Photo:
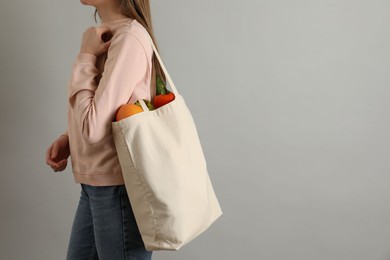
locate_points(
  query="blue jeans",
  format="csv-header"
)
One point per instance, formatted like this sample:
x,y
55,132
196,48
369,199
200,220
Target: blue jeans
x,y
104,227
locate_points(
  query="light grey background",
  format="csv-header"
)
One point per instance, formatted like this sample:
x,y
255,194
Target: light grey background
x,y
291,100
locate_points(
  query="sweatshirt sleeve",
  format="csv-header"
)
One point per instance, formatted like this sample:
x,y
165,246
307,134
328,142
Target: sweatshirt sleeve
x,y
95,106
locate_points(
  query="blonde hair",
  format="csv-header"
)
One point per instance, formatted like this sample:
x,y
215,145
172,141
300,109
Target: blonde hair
x,y
140,10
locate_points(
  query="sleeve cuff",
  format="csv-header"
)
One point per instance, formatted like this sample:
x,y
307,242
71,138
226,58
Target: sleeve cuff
x,y
86,58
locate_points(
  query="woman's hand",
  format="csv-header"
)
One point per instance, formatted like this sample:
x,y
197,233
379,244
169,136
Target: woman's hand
x,y
57,154
96,40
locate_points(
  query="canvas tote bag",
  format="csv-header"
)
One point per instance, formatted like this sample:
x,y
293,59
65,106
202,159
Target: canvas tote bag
x,y
165,173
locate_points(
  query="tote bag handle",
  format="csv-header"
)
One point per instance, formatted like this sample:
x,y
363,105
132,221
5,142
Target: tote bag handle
x,y
174,90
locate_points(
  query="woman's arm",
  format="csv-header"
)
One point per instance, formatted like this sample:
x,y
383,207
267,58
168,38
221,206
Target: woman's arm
x,y
95,106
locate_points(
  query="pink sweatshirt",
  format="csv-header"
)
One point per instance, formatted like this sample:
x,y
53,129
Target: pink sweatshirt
x,y
94,97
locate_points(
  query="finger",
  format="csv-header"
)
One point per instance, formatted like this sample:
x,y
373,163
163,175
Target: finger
x,y
53,164
54,151
62,162
48,153
62,166
103,29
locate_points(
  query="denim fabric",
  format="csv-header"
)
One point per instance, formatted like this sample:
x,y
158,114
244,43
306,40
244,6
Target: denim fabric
x,y
104,227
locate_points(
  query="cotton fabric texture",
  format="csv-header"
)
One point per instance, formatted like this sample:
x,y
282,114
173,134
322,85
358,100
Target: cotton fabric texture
x,y
97,88
165,173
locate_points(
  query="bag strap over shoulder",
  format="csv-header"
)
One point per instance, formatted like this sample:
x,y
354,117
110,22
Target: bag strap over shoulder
x,y
170,81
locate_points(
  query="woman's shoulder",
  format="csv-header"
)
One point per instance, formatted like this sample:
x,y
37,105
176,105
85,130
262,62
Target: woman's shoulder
x,y
136,29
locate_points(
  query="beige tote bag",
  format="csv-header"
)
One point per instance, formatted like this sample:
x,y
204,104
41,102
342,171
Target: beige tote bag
x,y
165,173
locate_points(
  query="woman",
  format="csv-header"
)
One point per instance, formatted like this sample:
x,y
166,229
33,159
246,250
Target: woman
x,y
115,66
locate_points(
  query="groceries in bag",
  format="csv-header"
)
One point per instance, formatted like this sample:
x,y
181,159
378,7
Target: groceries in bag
x,y
127,110
163,97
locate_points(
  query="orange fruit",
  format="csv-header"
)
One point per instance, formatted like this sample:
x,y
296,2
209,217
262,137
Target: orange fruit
x,y
127,110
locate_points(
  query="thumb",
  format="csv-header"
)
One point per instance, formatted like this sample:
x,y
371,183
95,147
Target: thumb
x,y
54,152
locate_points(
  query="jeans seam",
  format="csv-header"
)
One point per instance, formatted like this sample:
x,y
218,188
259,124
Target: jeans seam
x,y
83,190
93,253
123,224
